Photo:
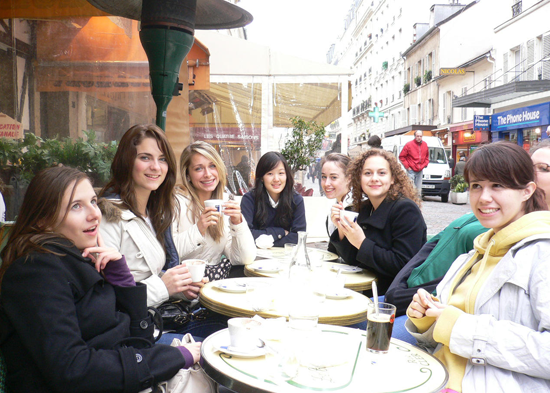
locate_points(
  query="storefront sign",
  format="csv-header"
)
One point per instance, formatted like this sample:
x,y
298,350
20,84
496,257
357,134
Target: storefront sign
x,y
452,71
227,135
482,122
376,114
10,128
527,117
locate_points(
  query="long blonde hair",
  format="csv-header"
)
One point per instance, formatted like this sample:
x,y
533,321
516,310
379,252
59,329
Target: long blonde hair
x,y
216,232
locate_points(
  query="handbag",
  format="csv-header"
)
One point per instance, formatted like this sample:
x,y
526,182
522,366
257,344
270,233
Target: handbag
x,y
174,314
191,380
219,271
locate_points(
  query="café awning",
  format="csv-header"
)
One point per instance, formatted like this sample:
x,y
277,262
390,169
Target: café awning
x,y
270,85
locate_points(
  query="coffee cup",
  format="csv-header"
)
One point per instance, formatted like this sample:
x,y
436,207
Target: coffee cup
x,y
217,203
379,327
349,216
244,333
196,268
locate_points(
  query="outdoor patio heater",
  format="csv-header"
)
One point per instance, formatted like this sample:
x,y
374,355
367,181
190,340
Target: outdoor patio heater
x,y
167,35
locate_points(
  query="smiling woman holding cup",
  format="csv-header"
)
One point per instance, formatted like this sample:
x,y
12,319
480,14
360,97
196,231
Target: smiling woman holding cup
x,y
207,227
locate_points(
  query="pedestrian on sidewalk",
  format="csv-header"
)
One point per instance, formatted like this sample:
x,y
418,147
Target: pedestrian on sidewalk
x,y
415,157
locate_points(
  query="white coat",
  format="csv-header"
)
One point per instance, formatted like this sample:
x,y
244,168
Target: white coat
x,y
237,244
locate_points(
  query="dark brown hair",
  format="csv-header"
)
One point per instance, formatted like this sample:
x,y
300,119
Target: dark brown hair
x,y
161,203
35,225
402,185
285,209
507,164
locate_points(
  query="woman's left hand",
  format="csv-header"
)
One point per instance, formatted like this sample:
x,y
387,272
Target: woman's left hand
x,y
353,232
233,210
101,255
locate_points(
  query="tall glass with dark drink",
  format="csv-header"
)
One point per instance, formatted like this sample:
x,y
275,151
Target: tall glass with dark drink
x,y
379,327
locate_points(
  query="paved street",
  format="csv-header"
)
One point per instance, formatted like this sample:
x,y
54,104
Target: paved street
x,y
436,214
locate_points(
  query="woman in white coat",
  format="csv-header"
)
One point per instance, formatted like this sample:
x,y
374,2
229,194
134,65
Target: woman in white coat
x,y
202,232
490,321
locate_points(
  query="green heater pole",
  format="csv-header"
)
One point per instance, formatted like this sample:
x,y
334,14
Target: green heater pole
x,y
165,48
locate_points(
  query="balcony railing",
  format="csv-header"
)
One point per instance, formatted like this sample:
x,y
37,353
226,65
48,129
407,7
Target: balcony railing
x,y
516,9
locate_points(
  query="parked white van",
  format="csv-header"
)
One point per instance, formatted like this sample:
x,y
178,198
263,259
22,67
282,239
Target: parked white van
x,y
436,176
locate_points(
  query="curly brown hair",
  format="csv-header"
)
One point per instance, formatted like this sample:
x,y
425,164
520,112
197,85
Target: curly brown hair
x,y
402,185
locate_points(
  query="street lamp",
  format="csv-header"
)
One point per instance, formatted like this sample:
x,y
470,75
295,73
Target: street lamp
x,y
167,35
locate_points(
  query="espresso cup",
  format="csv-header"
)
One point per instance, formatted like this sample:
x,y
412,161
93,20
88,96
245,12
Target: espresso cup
x,y
379,327
196,268
349,216
217,203
244,333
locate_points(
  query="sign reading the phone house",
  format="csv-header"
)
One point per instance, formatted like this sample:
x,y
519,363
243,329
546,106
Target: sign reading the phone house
x,y
527,117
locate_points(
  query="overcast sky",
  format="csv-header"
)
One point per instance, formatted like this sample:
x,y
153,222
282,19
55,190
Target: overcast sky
x,y
303,28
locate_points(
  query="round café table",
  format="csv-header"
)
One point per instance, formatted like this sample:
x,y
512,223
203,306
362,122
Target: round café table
x,y
359,282
343,312
330,359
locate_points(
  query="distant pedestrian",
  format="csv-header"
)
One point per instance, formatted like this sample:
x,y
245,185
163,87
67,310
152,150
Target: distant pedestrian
x,y
374,142
459,168
415,157
318,175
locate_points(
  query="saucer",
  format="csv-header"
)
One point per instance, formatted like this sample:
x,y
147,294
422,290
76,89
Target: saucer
x,y
239,353
267,266
342,293
346,269
230,286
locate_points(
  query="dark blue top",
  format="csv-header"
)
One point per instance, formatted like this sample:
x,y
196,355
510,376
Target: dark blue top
x,y
298,220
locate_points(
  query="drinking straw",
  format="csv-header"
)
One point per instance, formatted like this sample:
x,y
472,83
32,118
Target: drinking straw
x,y
375,297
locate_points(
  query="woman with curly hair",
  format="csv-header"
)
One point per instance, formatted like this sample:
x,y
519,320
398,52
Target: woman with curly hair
x,y
390,228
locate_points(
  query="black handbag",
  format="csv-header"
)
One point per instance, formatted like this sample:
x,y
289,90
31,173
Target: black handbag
x,y
174,314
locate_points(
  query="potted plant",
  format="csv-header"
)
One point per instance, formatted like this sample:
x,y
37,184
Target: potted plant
x,y
384,65
417,80
459,190
427,76
406,88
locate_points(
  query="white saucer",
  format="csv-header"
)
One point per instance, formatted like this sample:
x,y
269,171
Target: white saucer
x,y
230,286
346,269
222,344
342,293
267,266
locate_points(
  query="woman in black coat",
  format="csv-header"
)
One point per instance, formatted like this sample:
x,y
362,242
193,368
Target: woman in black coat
x,y
390,228
72,317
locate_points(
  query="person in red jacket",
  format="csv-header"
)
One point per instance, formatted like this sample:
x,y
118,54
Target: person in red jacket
x,y
415,157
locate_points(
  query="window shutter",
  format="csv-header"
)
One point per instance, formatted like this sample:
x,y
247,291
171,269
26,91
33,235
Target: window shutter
x,y
529,64
505,68
546,53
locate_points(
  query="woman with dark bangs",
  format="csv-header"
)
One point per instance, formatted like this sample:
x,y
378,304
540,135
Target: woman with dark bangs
x,y
390,228
490,321
273,207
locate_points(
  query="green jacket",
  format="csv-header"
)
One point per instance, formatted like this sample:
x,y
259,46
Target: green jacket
x,y
456,239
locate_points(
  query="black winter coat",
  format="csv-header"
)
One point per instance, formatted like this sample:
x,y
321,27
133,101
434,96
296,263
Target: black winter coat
x,y
394,232
65,329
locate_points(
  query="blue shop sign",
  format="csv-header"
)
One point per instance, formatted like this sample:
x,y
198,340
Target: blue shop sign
x,y
481,122
527,117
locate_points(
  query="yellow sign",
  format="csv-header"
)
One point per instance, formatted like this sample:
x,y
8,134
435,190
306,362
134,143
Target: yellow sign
x,y
452,71
10,128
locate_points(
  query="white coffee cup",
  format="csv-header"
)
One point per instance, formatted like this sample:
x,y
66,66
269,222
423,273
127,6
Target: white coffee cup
x,y
196,268
217,203
244,333
349,216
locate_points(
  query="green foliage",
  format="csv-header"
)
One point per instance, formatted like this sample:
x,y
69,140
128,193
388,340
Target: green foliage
x,y
406,88
458,184
427,76
417,80
25,157
305,140
384,65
